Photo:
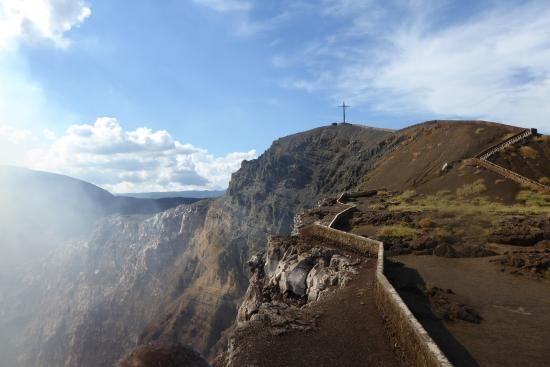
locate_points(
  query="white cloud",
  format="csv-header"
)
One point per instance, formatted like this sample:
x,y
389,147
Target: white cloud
x,y
240,17
48,134
225,5
493,65
42,19
14,142
23,101
14,135
135,161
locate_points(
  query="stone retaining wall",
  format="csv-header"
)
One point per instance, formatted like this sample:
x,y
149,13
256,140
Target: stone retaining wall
x,y
511,175
417,346
357,194
346,240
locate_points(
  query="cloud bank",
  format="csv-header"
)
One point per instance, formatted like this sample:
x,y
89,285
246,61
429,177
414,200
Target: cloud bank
x,y
40,19
412,58
141,160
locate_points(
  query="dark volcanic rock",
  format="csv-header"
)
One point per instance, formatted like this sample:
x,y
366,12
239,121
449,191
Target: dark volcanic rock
x,y
534,263
521,231
163,355
446,306
423,243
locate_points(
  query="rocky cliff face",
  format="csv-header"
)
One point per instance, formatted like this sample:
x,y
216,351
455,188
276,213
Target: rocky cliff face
x,y
294,274
178,275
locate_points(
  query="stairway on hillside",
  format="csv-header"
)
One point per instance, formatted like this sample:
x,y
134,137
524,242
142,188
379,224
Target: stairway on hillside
x,y
482,159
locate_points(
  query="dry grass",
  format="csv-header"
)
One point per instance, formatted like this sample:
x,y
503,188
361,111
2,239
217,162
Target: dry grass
x,y
544,180
528,153
406,195
397,231
441,232
529,203
473,189
533,198
426,223
543,138
444,193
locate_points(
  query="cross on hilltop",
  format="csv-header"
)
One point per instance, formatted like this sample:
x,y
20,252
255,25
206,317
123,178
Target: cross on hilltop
x,y
344,106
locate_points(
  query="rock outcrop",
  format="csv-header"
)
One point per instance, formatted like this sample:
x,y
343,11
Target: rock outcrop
x,y
163,354
291,274
295,273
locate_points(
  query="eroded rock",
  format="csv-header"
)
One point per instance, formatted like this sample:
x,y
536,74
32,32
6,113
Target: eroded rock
x,y
291,274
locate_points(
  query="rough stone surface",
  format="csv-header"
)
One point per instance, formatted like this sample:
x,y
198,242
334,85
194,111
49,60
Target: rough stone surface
x,y
292,275
522,231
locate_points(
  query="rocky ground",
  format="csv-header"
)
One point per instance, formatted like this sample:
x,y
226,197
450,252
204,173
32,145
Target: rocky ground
x,y
535,263
444,224
163,355
309,303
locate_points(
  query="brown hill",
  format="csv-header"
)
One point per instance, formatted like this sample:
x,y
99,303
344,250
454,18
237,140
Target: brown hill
x,y
417,163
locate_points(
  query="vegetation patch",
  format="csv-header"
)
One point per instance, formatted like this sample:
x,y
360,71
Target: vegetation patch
x,y
397,231
529,202
533,198
426,223
473,189
528,153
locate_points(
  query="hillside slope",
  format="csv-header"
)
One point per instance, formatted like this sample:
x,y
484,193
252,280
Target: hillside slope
x,y
417,163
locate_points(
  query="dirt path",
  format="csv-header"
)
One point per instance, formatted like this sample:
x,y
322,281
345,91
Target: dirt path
x,y
351,333
515,330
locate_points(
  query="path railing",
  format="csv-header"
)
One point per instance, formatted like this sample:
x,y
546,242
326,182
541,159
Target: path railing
x,y
525,181
416,344
501,146
482,160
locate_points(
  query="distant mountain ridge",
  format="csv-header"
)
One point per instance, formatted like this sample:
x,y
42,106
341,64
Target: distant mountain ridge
x,y
193,194
38,209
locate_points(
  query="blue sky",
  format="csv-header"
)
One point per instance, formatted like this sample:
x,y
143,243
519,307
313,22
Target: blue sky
x,y
173,94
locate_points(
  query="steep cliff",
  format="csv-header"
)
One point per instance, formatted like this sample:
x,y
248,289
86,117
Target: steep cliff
x,y
178,275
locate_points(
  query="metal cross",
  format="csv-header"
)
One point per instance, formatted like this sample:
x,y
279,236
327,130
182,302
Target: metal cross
x,y
344,106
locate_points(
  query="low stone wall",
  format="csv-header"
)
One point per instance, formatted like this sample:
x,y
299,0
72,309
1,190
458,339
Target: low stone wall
x,y
357,194
342,239
417,346
338,217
